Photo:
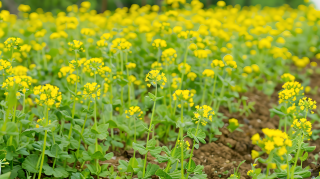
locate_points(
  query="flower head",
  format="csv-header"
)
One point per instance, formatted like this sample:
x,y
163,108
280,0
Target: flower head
x,y
203,114
154,78
47,95
134,111
91,90
76,45
183,96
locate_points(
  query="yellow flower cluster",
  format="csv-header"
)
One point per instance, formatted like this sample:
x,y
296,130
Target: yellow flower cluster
x,y
175,81
76,45
87,32
303,62
192,76
234,121
13,43
42,121
5,66
184,96
134,111
201,53
154,77
156,66
131,65
184,144
217,63
202,114
274,139
102,43
184,68
73,64
230,62
307,103
290,92
250,172
20,70
120,44
64,71
159,43
302,124
91,90
57,35
18,83
168,56
72,79
40,33
288,77
24,8
47,95
96,66
208,73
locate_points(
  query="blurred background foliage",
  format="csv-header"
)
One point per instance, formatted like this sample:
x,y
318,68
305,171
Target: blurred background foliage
x,y
102,5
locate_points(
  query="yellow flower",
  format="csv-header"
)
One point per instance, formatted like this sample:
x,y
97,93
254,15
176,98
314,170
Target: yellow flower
x,y
283,166
76,45
184,68
184,96
47,95
154,77
91,90
221,3
159,43
254,154
202,114
192,76
208,73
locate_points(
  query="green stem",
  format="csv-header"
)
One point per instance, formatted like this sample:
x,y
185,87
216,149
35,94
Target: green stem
x,y
153,111
221,95
44,144
13,120
297,156
173,152
24,102
204,91
129,103
189,165
73,112
134,139
176,102
214,87
268,163
182,140
169,88
82,130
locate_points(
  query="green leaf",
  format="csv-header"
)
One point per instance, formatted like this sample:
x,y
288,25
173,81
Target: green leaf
x,y
309,148
197,135
108,156
192,166
30,163
155,151
142,150
163,174
57,152
151,170
151,96
12,129
5,175
66,115
304,157
198,169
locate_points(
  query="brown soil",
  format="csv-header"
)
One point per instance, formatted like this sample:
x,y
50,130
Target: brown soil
x,y
225,154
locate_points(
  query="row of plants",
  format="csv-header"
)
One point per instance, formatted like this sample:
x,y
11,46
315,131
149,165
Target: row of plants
x,y
80,86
